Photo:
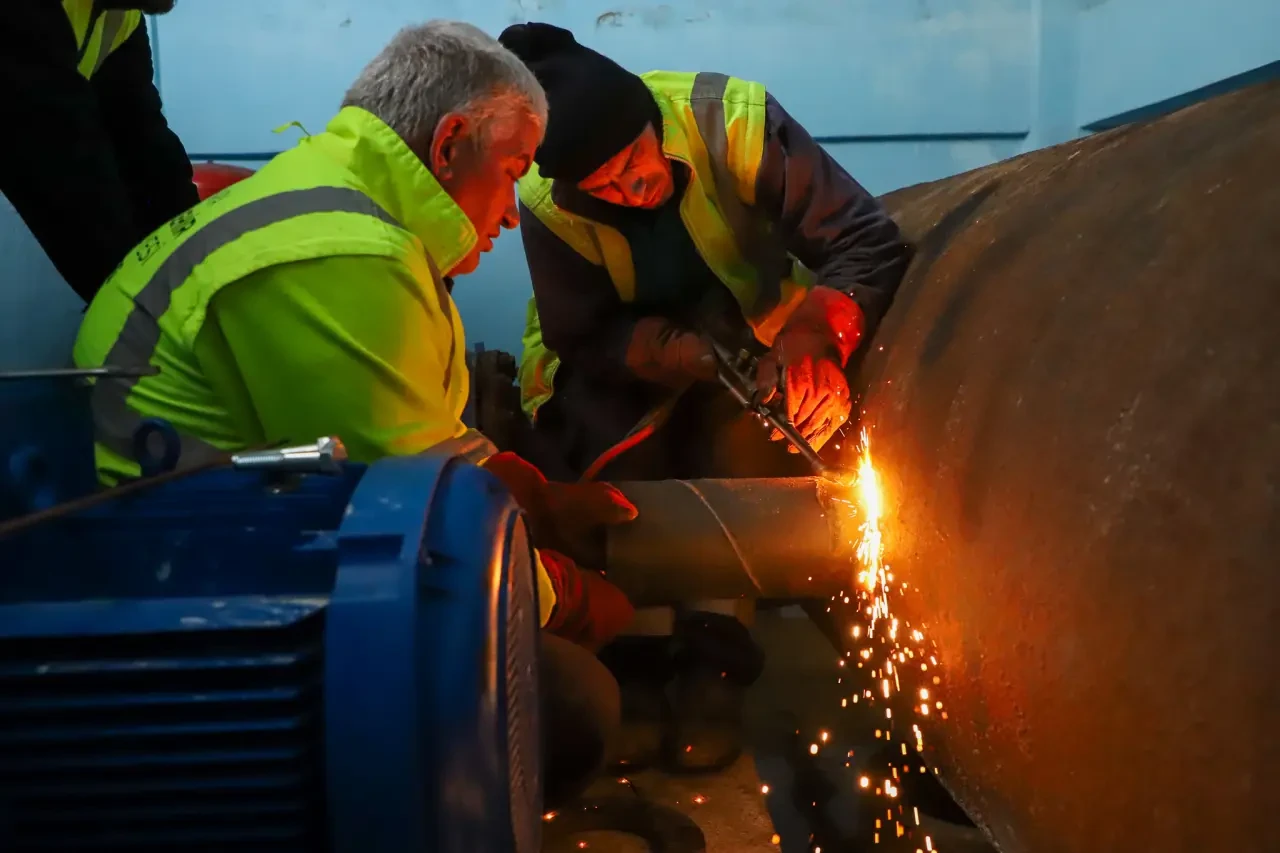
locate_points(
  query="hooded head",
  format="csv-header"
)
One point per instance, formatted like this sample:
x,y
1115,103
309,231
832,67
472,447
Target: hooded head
x,y
603,127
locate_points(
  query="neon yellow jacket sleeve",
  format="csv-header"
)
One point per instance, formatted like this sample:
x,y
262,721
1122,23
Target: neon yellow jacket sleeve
x,y
345,346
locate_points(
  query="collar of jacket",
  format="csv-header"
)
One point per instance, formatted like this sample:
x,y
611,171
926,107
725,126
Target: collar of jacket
x,y
675,142
397,180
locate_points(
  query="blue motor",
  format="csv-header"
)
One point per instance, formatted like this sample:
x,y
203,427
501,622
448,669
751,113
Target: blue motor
x,y
257,660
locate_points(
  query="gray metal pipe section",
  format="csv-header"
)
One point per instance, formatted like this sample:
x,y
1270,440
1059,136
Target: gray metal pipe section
x,y
1075,410
714,539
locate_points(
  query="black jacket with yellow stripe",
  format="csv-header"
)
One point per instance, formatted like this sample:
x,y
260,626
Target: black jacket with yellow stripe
x,y
90,164
828,221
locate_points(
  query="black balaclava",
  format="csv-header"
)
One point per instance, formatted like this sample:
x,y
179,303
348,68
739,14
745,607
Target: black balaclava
x,y
596,107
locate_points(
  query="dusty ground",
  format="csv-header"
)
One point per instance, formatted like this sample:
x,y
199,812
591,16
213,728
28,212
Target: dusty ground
x,y
812,800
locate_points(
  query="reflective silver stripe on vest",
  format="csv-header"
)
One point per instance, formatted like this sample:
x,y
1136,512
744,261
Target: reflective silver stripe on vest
x,y
114,422
111,23
755,235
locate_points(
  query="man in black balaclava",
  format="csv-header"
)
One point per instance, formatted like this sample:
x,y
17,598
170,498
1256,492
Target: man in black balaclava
x,y
668,210
93,167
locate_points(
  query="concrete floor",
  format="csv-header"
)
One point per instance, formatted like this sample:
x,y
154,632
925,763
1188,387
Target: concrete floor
x,y
813,800
727,807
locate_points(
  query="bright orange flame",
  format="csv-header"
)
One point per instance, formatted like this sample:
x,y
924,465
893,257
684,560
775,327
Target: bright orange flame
x,y
873,578
900,641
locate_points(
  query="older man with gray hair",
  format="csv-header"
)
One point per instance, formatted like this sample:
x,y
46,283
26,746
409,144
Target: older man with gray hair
x,y
313,298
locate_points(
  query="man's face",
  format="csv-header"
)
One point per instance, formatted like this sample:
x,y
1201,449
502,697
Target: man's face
x,y
637,176
480,174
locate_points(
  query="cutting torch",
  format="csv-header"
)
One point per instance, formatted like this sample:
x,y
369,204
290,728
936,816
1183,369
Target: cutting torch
x,y
736,374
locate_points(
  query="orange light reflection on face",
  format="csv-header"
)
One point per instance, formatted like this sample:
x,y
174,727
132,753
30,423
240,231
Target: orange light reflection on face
x,y
639,175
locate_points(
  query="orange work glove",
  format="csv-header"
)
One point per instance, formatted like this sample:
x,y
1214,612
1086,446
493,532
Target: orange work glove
x,y
664,354
559,514
807,360
589,610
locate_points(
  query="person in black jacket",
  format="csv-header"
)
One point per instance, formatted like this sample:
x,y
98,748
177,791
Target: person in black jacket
x,y
623,347
651,229
88,160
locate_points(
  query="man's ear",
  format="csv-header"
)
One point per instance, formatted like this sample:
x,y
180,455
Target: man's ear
x,y
447,143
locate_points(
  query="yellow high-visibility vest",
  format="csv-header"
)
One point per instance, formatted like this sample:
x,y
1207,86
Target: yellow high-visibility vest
x,y
331,196
714,124
99,32
336,194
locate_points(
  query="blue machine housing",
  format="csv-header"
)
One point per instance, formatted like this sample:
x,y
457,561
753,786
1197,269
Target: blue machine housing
x,y
236,661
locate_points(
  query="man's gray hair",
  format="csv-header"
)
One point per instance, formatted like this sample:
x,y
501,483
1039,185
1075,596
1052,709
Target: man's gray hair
x,y
441,67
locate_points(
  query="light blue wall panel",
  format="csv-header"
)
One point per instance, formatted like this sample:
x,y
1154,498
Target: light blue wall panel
x,y
882,166
881,79
901,91
39,313
235,69
1137,52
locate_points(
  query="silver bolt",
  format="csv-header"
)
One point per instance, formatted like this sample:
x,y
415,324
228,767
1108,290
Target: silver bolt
x,y
325,456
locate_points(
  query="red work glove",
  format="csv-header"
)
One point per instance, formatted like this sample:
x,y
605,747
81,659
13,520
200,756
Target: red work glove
x,y
808,359
559,514
661,353
589,610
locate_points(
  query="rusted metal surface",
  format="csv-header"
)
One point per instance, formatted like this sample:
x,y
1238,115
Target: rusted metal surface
x,y
1076,416
713,539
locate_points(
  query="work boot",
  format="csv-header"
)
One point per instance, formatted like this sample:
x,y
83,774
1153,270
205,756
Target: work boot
x,y
642,666
716,661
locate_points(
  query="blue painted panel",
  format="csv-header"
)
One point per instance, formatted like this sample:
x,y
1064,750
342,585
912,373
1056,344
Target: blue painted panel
x,y
885,166
39,312
236,69
1136,52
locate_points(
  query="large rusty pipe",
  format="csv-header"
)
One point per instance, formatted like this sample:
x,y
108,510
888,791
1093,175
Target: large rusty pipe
x,y
1075,411
1075,415
706,539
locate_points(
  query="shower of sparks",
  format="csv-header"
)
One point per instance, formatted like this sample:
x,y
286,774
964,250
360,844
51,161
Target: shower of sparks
x,y
873,581
890,648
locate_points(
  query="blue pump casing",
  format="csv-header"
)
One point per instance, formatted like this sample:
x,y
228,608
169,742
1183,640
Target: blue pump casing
x,y
240,661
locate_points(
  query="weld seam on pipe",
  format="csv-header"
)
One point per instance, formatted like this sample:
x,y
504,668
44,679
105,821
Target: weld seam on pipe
x,y
729,537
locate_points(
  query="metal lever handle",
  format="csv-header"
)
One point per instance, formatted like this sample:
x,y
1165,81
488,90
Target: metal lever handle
x,y
325,456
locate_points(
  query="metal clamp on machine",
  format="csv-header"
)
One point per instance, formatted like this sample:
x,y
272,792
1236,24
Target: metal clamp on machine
x,y
324,456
